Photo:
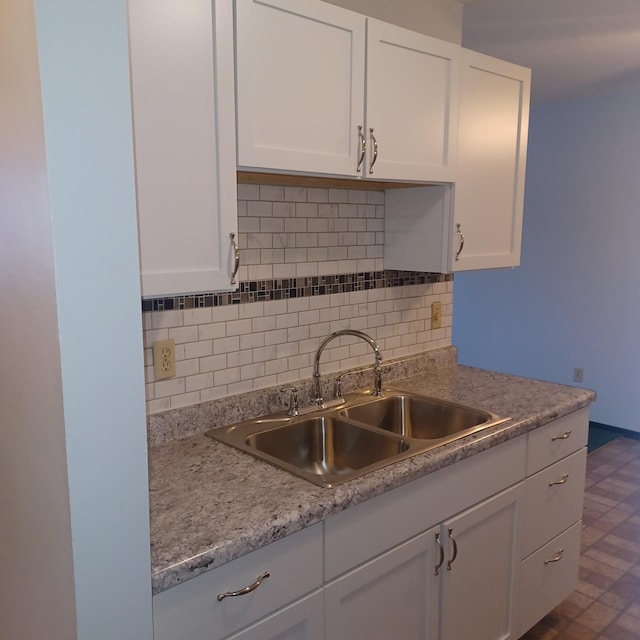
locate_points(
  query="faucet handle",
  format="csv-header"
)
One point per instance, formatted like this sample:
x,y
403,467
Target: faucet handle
x,y
294,407
337,387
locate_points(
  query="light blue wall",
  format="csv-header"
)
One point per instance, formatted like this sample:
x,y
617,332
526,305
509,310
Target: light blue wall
x,y
575,299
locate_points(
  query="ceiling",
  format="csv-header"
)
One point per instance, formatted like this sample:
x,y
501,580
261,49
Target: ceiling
x,y
574,47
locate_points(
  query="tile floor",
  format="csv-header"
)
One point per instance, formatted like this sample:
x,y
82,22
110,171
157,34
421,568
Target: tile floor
x,y
606,604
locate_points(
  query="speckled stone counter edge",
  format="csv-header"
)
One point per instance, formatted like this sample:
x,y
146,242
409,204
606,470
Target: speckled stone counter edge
x,y
187,421
202,517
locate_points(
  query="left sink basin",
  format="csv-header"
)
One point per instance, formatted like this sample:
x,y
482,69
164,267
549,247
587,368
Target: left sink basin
x,y
325,449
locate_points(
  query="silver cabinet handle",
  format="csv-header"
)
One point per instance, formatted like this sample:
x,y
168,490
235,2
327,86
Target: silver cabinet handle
x,y
236,257
245,590
441,551
562,480
374,142
363,148
455,550
555,558
460,240
564,436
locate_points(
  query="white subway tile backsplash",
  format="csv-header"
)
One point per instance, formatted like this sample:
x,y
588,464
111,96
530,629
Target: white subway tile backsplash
x,y
226,345
264,354
259,209
211,331
307,270
167,388
239,327
198,349
294,194
184,334
239,358
214,363
288,233
260,272
226,376
357,195
168,319
283,209
268,192
200,381
248,192
306,210
317,195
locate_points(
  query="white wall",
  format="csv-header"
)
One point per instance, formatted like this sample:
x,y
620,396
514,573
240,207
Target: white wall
x,y
74,539
574,301
36,580
437,18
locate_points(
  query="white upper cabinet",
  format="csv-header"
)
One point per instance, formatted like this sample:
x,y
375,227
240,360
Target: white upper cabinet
x,y
492,152
183,116
412,102
300,86
303,105
475,223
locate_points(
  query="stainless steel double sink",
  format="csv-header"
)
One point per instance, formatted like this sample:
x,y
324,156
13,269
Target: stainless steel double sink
x,y
365,433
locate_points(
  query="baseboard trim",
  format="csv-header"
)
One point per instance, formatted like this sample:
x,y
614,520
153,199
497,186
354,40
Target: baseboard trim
x,y
627,433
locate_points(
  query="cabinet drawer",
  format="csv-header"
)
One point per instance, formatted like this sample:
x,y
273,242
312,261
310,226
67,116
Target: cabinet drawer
x,y
547,582
407,511
558,439
191,611
553,501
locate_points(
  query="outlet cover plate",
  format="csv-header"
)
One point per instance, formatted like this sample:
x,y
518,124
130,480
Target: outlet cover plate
x,y
164,359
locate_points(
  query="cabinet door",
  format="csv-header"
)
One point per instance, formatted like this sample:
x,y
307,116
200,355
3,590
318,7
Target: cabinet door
x,y
300,86
412,100
492,149
183,117
393,596
303,620
479,590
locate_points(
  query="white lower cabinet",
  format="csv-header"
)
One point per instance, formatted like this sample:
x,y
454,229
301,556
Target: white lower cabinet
x,y
393,596
456,580
481,549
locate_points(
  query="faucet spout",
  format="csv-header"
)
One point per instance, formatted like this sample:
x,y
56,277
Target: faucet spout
x,y
377,369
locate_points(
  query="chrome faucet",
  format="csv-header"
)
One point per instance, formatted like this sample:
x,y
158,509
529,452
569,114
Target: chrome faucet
x,y
377,369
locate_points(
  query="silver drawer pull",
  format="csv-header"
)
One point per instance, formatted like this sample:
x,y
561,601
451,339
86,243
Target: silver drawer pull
x,y
441,560
374,142
242,592
562,480
363,148
555,558
455,550
564,436
236,257
460,241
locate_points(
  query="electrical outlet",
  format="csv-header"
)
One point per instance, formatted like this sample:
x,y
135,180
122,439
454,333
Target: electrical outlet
x,y
578,374
164,359
436,315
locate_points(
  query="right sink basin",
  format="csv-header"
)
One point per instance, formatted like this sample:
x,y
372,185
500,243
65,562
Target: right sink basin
x,y
419,417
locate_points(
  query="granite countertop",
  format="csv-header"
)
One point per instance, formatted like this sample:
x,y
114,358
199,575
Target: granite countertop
x,y
211,503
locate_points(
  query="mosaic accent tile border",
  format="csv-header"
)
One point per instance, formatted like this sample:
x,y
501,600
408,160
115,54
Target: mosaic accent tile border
x,y
286,288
